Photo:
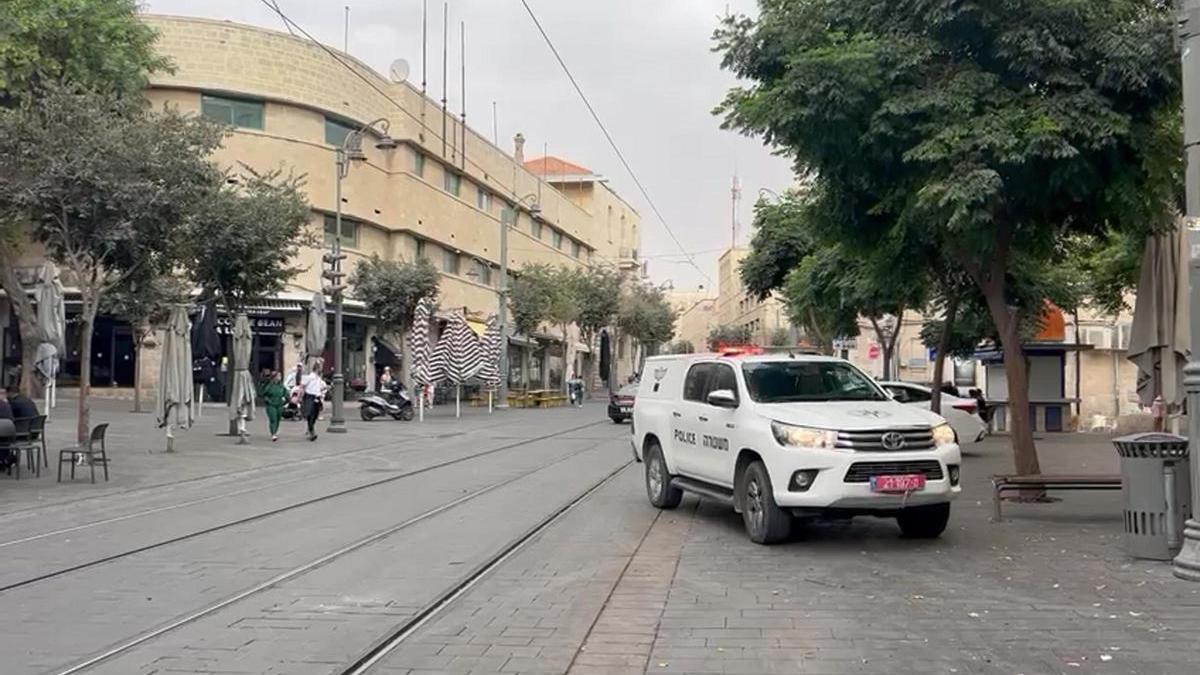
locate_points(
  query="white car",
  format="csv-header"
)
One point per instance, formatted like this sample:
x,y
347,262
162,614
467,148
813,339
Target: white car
x,y
785,436
960,413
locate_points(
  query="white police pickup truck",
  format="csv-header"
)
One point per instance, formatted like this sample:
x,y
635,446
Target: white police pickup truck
x,y
785,436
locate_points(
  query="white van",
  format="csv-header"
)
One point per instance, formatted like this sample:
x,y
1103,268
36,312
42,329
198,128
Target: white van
x,y
781,436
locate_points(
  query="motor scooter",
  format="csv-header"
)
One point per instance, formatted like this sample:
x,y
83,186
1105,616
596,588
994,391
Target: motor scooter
x,y
394,403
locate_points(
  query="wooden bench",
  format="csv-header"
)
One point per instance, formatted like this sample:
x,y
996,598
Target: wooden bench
x,y
1010,483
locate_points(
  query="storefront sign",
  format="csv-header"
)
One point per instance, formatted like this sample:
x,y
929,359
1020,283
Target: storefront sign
x,y
259,325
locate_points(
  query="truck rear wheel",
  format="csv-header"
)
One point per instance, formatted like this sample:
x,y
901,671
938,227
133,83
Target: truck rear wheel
x,y
924,522
765,522
658,482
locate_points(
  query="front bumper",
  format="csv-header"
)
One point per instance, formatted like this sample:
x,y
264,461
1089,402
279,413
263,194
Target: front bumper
x,y
830,490
615,412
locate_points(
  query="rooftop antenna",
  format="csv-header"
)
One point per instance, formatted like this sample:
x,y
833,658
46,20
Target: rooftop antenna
x,y
735,194
424,59
495,129
462,27
346,32
445,39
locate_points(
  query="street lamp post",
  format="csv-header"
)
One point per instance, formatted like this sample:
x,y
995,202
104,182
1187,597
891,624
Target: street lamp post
x,y
349,151
1187,563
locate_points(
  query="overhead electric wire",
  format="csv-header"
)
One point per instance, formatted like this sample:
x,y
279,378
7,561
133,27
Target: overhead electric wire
x,y
611,141
288,22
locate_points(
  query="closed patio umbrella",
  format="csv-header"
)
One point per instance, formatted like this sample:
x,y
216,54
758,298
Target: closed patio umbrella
x,y
489,370
206,351
241,400
52,325
458,356
317,330
1158,341
175,375
418,341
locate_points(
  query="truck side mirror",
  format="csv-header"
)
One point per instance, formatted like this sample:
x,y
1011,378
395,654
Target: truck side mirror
x,y
722,398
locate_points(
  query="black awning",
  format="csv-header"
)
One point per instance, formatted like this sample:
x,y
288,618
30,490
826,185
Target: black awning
x,y
386,354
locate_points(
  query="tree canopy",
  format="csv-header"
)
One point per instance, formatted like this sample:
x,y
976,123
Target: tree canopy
x,y
991,130
243,244
107,186
100,45
647,316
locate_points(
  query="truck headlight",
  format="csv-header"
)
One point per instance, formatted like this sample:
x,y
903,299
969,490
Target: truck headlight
x,y
803,437
943,434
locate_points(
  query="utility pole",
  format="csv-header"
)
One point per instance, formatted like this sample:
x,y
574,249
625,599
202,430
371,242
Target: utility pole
x,y
335,288
1187,563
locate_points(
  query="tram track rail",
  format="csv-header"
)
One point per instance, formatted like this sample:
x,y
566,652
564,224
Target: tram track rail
x,y
444,598
103,560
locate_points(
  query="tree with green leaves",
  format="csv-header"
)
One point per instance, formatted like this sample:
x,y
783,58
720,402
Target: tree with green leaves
x,y
597,294
391,290
728,335
100,45
646,316
144,299
994,130
108,187
243,244
531,296
780,337
682,347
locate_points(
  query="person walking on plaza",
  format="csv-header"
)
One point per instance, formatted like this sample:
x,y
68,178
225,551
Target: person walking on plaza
x,y
314,396
274,396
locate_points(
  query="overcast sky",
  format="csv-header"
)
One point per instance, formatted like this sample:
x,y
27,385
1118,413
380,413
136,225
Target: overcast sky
x,y
646,65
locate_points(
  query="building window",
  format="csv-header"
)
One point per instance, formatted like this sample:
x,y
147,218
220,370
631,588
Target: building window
x,y
481,272
508,216
235,112
336,132
575,249
450,261
418,248
483,200
557,238
535,228
350,230
419,164
453,182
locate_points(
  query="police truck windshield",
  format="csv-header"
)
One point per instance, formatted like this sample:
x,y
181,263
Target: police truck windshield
x,y
793,381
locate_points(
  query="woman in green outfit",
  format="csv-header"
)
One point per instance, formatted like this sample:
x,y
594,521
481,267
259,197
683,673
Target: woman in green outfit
x,y
274,396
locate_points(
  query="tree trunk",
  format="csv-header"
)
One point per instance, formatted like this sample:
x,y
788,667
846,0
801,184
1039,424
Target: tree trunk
x,y
137,375
1025,459
87,323
26,317
939,362
589,364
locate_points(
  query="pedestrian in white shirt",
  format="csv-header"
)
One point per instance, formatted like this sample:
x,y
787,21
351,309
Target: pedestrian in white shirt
x,y
314,397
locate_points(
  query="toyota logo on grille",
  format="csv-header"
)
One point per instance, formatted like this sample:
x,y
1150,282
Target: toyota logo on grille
x,y
892,440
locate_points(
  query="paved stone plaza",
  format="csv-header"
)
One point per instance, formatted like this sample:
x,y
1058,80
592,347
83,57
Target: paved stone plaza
x,y
230,578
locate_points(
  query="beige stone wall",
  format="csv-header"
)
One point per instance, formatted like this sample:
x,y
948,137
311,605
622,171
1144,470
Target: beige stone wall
x,y
302,85
736,308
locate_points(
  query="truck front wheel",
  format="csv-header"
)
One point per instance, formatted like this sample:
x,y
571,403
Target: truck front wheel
x,y
658,482
765,522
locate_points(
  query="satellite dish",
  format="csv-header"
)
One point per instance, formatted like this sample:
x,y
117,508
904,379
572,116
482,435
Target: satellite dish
x,y
398,71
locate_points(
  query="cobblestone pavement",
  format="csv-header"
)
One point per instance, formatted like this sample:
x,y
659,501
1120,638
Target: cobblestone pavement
x,y
615,586
1046,591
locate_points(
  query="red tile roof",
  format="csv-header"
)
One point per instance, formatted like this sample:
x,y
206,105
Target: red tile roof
x,y
553,166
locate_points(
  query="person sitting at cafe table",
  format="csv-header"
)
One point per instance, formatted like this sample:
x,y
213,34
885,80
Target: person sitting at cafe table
x,y
22,406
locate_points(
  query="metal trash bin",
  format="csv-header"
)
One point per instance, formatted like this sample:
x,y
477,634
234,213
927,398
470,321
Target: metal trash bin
x,y
1156,485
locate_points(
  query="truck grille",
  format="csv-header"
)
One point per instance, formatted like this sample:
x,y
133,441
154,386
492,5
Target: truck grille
x,y
861,472
873,440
